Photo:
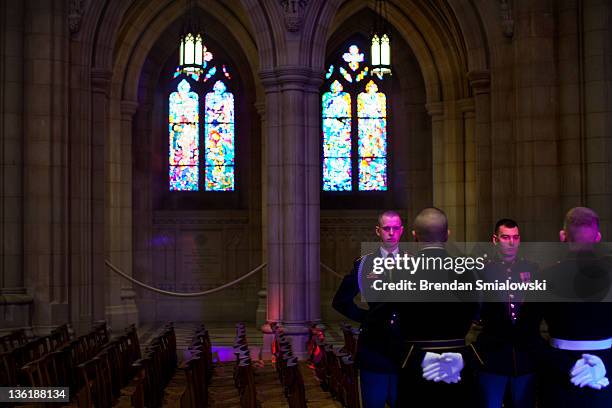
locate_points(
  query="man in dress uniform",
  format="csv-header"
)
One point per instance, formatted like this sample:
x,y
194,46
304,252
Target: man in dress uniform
x,y
506,341
437,364
576,363
379,343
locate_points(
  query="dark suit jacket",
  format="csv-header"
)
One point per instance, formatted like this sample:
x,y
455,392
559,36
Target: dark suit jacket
x,y
379,347
506,346
585,278
437,321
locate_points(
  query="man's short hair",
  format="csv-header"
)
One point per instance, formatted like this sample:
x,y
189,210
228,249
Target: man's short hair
x,y
388,213
579,218
505,222
431,225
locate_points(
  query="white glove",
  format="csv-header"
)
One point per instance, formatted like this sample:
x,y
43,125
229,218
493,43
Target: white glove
x,y
452,364
429,359
589,371
431,366
446,367
599,384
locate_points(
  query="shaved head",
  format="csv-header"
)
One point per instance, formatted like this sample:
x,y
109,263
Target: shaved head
x,y
431,225
581,225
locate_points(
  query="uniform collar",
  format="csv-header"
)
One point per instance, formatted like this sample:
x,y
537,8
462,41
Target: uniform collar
x,y
385,253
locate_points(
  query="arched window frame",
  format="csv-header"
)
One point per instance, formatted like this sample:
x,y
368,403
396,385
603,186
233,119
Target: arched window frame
x,y
354,88
202,86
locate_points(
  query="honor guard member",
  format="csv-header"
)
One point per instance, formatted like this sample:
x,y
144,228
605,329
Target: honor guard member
x,y
437,366
379,342
508,334
576,364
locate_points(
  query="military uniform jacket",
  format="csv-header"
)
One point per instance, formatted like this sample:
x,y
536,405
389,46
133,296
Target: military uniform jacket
x,y
379,347
510,332
436,320
581,276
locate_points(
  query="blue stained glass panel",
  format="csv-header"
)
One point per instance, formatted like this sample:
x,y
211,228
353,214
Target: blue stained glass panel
x,y
183,178
336,139
184,144
337,174
219,178
183,131
373,174
219,133
372,137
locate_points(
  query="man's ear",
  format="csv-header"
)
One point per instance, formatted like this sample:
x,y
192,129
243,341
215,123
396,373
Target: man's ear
x,y
562,236
377,230
598,237
494,239
414,235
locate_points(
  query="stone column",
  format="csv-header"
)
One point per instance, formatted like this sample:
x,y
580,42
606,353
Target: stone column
x,y
292,95
142,221
46,234
14,302
100,91
466,109
436,111
262,294
120,309
481,86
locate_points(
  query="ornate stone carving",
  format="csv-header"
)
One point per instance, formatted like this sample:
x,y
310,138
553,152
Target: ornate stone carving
x,y
294,13
75,13
506,18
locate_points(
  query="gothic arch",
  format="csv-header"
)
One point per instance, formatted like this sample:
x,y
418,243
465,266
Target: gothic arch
x,y
434,33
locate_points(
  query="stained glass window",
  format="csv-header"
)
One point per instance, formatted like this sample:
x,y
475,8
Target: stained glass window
x,y
372,145
216,144
354,119
219,134
336,139
184,130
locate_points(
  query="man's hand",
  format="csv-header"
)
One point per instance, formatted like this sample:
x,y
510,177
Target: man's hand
x,y
445,367
589,371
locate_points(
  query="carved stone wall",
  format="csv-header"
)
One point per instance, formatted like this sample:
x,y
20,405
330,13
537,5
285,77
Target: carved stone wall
x,y
198,251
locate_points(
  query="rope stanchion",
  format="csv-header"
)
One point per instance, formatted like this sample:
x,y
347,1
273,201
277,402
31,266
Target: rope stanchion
x,y
182,294
330,270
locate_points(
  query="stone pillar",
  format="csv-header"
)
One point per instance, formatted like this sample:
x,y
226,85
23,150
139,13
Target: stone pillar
x,y
292,95
481,86
436,111
262,294
470,216
142,221
120,309
46,175
100,90
14,302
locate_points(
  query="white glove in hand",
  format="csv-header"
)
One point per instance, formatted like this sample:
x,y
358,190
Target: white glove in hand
x,y
430,366
452,364
429,359
599,384
589,371
447,368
